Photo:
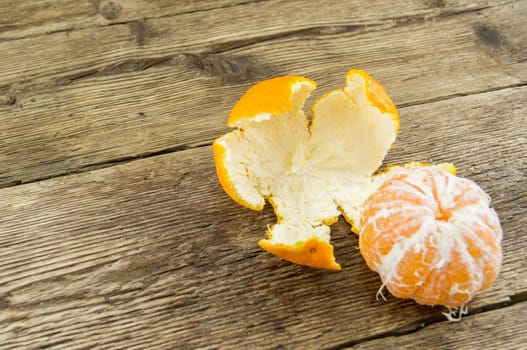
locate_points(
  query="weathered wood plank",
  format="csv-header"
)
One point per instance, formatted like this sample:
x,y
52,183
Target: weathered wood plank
x,y
22,19
153,252
71,54
498,329
125,111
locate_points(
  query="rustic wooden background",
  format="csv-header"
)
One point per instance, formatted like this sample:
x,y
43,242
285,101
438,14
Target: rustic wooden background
x,y
114,232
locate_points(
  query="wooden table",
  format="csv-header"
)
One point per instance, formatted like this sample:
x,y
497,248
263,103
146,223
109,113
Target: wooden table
x,y
114,231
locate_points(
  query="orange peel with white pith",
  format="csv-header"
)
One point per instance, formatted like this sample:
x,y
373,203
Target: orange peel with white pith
x,y
310,171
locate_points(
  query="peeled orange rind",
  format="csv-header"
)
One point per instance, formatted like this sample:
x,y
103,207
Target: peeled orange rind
x,y
430,235
312,252
311,172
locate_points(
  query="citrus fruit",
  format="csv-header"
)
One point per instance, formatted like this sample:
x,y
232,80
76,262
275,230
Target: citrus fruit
x,y
310,171
431,236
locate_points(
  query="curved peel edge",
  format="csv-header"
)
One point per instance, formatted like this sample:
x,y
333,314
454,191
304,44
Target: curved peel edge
x,y
271,97
276,98
221,159
312,252
374,92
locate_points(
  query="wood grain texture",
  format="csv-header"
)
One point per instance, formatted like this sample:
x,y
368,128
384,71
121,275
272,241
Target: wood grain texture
x,y
23,19
68,55
497,329
132,253
80,106
153,252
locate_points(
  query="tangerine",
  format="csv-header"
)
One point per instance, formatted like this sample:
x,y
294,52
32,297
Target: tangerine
x,y
431,236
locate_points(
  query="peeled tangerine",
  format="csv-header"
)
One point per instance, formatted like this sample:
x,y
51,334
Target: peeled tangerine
x,y
429,234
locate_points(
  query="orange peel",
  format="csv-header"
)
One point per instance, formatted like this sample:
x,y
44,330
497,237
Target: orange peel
x,y
313,252
310,171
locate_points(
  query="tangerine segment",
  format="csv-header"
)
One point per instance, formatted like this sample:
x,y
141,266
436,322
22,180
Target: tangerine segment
x,y
271,97
313,252
444,243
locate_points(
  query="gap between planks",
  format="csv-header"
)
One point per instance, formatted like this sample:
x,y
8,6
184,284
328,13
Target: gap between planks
x,y
110,12
95,251
95,120
221,40
117,161
427,11
421,325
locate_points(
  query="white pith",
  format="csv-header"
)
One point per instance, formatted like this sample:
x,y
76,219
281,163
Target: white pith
x,y
444,237
309,173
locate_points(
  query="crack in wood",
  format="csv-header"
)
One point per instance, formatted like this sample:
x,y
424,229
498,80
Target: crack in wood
x,y
398,21
166,60
127,66
469,93
305,32
519,298
110,163
228,69
237,69
53,345
418,325
241,69
358,29
451,13
111,12
335,30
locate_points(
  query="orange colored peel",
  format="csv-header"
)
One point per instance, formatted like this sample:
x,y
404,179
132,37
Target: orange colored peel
x,y
375,93
310,171
430,235
273,96
220,153
313,252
